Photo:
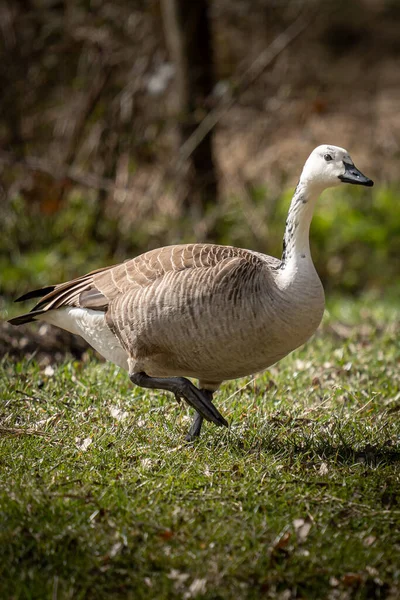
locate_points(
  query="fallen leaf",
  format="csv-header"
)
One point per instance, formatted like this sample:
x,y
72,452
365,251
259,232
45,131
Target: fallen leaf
x,y
115,549
369,540
323,470
146,463
83,445
117,413
166,535
281,542
178,576
196,588
49,420
351,579
302,528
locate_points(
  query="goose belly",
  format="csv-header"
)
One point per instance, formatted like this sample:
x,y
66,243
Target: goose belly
x,y
218,348
92,327
216,362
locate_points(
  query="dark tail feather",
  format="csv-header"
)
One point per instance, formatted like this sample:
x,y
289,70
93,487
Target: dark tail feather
x,y
26,318
35,294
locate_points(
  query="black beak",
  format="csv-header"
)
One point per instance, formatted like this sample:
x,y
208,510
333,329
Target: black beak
x,y
353,175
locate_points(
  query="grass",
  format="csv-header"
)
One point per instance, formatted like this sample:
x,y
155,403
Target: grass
x,y
101,498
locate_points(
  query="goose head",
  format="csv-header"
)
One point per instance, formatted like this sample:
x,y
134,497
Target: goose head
x,y
328,166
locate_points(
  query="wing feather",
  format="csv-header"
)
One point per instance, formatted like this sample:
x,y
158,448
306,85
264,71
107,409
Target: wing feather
x,y
97,289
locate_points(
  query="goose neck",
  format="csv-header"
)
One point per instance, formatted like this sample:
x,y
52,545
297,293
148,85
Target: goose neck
x,y
296,241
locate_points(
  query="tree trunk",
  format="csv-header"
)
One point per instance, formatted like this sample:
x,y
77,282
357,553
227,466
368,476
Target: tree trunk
x,y
188,37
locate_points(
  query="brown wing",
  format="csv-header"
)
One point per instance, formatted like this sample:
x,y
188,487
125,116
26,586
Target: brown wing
x,y
97,289
146,268
179,290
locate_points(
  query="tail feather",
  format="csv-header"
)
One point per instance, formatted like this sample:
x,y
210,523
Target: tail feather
x,y
26,318
36,294
61,295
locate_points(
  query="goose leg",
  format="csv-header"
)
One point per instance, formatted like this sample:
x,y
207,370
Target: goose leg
x,y
183,388
195,428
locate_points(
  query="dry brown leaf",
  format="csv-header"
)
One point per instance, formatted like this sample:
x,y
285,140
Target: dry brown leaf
x,y
351,579
166,535
369,540
281,542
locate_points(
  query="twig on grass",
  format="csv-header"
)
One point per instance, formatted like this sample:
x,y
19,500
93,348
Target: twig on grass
x,y
22,431
241,388
318,406
30,396
365,405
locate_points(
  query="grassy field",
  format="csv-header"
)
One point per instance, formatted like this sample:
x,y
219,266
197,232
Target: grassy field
x,y
101,498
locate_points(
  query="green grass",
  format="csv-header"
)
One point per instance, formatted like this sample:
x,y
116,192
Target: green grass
x,y
101,498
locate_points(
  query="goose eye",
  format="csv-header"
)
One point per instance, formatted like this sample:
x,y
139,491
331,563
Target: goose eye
x,y
328,157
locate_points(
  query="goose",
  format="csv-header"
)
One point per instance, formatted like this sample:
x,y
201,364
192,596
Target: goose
x,y
203,311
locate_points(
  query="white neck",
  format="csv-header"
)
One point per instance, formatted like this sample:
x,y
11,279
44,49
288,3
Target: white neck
x,y
296,241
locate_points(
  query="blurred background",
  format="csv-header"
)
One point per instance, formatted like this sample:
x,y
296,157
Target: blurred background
x,y
130,124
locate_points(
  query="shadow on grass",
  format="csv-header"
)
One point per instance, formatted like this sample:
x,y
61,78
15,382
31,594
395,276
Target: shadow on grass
x,y
339,443
341,454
